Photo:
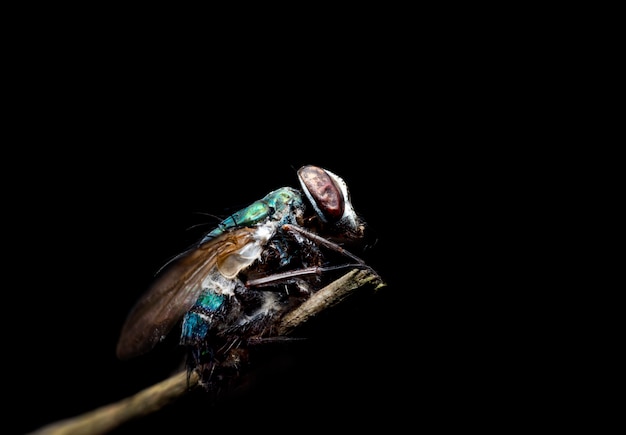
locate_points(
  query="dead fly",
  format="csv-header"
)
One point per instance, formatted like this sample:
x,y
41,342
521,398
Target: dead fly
x,y
229,289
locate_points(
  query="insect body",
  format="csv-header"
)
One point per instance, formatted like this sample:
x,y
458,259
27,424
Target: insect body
x,y
231,286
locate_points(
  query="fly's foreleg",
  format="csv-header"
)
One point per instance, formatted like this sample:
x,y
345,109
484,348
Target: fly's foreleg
x,y
294,275
319,240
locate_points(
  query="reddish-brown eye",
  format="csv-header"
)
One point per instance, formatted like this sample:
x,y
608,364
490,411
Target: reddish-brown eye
x,y
323,192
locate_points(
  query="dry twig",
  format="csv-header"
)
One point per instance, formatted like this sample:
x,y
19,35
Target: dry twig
x,y
151,399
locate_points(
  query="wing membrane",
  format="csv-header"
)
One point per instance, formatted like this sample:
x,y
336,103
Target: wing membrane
x,y
174,292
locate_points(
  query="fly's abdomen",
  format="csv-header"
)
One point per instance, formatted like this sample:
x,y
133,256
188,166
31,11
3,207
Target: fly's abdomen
x,y
198,320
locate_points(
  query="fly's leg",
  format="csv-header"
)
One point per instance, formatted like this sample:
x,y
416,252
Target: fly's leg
x,y
294,275
300,277
294,229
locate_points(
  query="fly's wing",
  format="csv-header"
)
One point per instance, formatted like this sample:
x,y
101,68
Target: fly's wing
x,y
175,291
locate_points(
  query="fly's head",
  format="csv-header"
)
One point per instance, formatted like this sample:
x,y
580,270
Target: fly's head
x,y
330,198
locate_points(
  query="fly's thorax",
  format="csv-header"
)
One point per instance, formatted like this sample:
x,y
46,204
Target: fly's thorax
x,y
256,212
263,217
284,205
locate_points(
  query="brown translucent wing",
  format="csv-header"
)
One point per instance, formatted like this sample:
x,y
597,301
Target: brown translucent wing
x,y
174,292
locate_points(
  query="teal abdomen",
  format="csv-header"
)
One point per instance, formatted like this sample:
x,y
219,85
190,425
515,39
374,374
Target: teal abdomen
x,y
198,319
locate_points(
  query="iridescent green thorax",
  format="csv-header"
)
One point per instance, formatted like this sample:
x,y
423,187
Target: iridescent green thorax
x,y
280,205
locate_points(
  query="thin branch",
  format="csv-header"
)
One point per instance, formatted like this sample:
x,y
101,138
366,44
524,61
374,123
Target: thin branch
x,y
329,296
151,399
107,418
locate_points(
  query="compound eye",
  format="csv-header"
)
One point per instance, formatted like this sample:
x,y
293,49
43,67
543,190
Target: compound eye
x,y
324,194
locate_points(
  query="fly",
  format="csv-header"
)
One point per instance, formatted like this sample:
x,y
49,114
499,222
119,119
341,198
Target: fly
x,y
229,288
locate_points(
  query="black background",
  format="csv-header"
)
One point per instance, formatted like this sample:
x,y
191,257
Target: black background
x,y
117,161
